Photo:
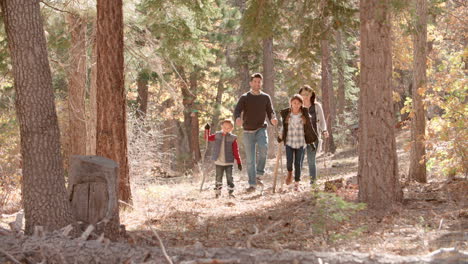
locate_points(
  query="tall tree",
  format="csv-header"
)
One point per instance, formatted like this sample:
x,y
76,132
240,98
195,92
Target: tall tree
x,y
378,180
92,105
77,85
327,94
243,58
269,85
340,65
111,135
417,169
43,186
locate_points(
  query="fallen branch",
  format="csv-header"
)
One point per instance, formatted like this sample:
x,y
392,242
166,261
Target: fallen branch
x,y
257,234
9,256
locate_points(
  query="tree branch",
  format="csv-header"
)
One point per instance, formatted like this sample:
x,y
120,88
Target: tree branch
x,y
56,9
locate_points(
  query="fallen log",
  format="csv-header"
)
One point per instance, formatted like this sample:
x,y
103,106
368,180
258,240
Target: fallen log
x,y
57,248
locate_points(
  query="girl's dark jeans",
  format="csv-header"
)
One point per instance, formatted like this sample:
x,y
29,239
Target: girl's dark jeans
x,y
294,155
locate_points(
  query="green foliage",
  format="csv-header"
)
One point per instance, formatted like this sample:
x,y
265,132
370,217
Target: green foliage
x,y
180,28
447,133
330,212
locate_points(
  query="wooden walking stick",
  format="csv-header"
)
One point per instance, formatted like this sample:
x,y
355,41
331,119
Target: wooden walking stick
x,y
203,160
278,158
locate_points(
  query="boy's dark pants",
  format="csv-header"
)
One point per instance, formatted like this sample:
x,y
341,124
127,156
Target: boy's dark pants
x,y
219,177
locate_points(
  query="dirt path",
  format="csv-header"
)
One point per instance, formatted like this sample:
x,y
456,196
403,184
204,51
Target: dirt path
x,y
300,220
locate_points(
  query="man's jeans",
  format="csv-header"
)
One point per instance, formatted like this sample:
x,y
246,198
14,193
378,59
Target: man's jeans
x,y
311,151
295,156
252,142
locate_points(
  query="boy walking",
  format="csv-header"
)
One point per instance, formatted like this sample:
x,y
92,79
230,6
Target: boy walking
x,y
225,150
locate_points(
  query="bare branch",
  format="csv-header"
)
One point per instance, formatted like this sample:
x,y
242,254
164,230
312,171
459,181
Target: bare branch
x,y
57,9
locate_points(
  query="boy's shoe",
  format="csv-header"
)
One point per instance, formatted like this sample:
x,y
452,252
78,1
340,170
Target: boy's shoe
x,y
232,195
250,189
289,178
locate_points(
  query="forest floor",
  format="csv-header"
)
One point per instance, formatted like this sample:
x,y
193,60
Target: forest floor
x,y
432,216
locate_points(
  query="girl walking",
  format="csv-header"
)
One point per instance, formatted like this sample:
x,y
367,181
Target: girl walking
x,y
296,133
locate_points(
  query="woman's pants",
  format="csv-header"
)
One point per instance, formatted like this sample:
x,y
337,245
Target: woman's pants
x,y
296,156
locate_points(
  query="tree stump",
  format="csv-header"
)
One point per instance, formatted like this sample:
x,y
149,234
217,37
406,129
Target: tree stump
x,y
93,193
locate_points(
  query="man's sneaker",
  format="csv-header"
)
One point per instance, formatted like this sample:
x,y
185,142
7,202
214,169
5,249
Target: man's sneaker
x,y
250,189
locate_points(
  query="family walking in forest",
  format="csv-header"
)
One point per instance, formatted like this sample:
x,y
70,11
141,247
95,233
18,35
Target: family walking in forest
x,y
303,123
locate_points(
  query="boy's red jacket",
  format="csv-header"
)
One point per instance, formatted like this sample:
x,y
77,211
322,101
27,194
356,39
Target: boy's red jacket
x,y
235,147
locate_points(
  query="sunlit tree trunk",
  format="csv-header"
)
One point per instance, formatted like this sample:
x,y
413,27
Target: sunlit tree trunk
x,y
379,186
417,169
43,190
243,59
194,126
269,86
111,137
341,78
327,94
77,85
92,103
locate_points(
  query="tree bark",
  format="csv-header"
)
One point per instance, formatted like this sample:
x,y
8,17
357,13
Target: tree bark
x,y
77,85
379,186
417,169
43,184
327,94
341,78
111,137
191,127
142,100
269,87
92,113
194,126
243,59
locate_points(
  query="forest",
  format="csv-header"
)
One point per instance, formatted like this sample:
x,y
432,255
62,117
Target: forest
x,y
233,131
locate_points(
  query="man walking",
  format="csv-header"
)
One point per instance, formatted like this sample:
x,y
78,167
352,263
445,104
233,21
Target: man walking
x,y
256,106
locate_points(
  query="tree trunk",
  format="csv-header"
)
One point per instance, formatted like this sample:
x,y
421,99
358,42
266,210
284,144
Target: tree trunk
x,y
92,113
194,126
77,85
269,87
43,184
243,59
379,186
189,91
327,95
341,78
216,116
142,100
111,137
417,169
